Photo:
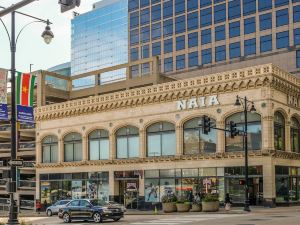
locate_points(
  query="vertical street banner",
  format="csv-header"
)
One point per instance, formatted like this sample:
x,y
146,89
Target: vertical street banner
x,y
25,97
3,95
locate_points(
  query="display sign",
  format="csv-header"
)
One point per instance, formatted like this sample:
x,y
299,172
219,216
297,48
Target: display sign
x,y
200,102
3,95
16,162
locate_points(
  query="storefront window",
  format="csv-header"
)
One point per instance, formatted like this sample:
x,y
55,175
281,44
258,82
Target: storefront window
x,y
74,186
99,145
195,141
295,135
73,147
279,131
50,149
127,142
234,184
287,184
254,132
161,139
182,182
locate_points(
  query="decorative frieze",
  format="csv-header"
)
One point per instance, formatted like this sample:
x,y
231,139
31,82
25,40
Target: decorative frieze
x,y
247,78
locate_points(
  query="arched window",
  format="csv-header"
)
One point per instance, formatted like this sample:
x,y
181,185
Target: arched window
x,y
279,131
295,135
127,142
73,147
195,141
99,145
50,149
161,139
254,132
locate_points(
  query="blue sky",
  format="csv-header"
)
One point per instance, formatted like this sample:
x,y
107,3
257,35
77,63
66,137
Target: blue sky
x,y
31,47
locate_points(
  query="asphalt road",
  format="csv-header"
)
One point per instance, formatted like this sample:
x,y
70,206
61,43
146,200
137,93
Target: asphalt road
x,y
277,217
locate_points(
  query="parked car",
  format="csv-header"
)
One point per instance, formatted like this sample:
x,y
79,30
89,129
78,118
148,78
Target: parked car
x,y
122,207
85,209
53,209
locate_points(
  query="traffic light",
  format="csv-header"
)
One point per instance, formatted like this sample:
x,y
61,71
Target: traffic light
x,y
242,182
66,5
206,124
233,130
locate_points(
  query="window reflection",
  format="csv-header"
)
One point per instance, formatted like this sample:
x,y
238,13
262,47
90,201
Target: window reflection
x,y
279,131
295,135
161,139
127,142
99,145
50,149
254,132
73,147
195,141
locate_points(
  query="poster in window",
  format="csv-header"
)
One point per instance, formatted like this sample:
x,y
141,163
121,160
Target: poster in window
x,y
76,189
151,191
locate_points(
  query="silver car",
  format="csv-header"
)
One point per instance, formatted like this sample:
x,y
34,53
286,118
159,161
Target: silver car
x,y
53,209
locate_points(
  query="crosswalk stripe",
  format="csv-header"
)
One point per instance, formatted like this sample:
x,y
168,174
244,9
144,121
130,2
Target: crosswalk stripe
x,y
183,219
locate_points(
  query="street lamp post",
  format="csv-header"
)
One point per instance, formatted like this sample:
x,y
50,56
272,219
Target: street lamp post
x,y
47,35
245,103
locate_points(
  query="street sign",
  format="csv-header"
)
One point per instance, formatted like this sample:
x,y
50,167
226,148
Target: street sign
x,y
16,162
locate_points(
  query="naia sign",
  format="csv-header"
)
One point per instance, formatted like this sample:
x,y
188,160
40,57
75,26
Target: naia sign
x,y
194,103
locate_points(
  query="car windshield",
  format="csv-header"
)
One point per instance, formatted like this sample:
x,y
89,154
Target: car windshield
x,y
98,203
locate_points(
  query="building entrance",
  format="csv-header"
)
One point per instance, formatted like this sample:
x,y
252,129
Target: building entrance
x,y
128,188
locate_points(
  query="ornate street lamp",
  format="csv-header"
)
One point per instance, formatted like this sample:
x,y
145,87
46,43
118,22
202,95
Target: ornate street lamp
x,y
47,35
246,104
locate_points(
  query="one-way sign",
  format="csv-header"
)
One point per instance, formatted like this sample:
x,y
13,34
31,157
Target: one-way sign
x,y
16,162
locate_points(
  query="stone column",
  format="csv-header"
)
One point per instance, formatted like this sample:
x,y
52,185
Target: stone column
x,y
268,133
61,153
84,148
112,188
142,185
288,137
179,140
142,144
220,148
112,146
269,189
38,152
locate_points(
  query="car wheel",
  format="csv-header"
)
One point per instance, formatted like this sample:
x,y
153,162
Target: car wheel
x,y
66,218
97,217
49,212
116,219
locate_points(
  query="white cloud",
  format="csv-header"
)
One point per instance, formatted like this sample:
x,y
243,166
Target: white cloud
x,y
31,47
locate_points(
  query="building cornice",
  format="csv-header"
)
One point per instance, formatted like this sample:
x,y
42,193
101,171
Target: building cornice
x,y
235,80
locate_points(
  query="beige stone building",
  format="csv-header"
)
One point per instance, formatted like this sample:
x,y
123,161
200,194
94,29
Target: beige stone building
x,y
135,145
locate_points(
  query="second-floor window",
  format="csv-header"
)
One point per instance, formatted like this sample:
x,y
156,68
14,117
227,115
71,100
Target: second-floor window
x,y
50,149
73,147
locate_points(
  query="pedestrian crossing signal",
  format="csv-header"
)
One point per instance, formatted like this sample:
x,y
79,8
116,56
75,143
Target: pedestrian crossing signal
x,y
242,182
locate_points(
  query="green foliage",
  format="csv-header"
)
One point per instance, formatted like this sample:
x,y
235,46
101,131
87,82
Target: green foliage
x,y
168,198
210,198
182,199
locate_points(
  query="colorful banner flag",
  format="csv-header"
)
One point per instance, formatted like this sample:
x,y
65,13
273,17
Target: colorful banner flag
x,y
3,95
25,89
25,97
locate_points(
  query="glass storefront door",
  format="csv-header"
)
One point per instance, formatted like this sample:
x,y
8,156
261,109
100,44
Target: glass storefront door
x,y
129,193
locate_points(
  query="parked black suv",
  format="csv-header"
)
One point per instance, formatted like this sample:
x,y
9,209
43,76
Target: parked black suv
x,y
85,209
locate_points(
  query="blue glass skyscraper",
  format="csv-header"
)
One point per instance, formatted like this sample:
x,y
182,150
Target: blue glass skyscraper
x,y
100,40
